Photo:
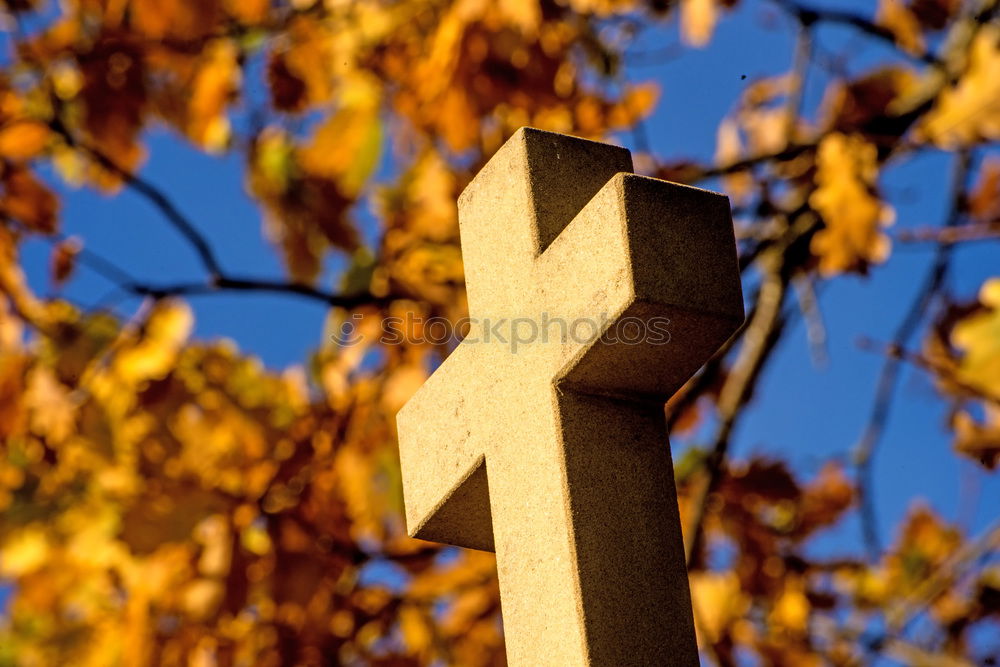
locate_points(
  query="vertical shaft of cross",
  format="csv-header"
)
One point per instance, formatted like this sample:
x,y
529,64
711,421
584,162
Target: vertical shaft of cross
x,y
626,532
554,453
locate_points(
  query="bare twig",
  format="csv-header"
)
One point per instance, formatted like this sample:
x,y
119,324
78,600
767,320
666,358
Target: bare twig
x,y
807,16
922,362
152,194
864,450
904,611
759,338
230,283
805,292
950,235
800,69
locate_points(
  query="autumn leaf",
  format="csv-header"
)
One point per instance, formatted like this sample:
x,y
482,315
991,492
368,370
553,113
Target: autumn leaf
x,y
934,14
63,260
970,109
718,602
903,23
844,198
698,19
181,19
791,609
216,82
115,99
346,147
979,440
165,500
25,199
248,12
152,356
978,338
22,141
984,200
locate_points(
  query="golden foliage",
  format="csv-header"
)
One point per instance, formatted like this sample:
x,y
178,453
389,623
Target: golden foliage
x,y
170,501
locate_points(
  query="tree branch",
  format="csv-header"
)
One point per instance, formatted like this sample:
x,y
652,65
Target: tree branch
x,y
759,338
864,450
231,283
950,235
152,194
808,16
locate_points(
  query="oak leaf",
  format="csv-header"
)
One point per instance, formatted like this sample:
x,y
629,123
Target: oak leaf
x,y
845,198
978,338
970,110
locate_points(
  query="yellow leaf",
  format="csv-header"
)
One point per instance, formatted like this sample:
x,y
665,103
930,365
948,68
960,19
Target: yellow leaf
x,y
970,110
24,551
309,58
791,611
903,24
698,21
216,82
456,119
845,177
525,14
153,356
202,596
53,411
414,627
718,600
978,336
346,147
401,385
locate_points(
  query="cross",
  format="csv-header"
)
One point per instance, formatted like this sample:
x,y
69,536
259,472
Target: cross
x,y
551,449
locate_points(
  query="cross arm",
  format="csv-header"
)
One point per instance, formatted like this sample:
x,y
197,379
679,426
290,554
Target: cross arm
x,y
443,465
660,259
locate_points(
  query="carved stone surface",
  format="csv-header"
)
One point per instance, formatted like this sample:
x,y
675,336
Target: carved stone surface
x,y
595,293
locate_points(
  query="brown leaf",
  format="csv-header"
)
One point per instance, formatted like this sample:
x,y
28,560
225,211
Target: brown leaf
x,y
980,441
984,200
114,95
934,14
28,201
180,19
62,262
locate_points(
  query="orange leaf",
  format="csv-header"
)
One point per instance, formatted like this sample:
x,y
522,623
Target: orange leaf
x,y
21,141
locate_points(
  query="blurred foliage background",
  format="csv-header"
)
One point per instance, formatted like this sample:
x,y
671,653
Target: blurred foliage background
x,y
167,500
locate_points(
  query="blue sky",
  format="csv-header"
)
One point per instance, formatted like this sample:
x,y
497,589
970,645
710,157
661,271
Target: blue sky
x,y
802,413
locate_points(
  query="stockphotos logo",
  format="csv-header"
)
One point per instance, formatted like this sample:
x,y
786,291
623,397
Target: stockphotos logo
x,y
514,332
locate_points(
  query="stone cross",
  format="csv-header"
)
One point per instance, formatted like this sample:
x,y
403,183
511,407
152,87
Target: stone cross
x,y
595,293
